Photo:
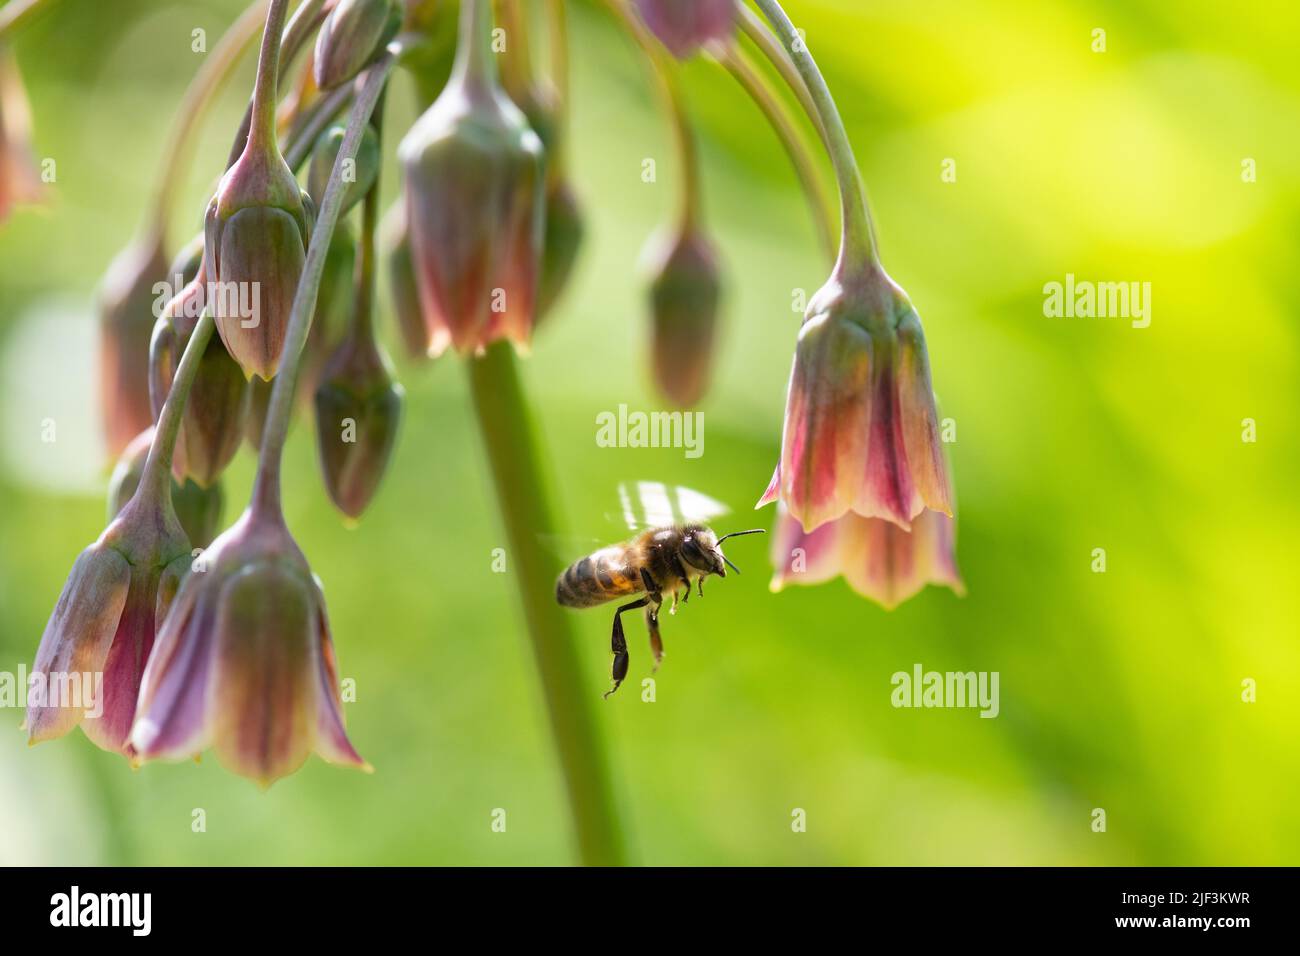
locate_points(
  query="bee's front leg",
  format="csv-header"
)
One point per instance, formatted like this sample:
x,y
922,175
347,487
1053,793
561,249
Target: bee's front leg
x,y
618,645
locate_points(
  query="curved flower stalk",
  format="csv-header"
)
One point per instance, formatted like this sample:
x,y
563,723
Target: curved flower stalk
x,y
245,659
102,630
475,203
685,278
198,508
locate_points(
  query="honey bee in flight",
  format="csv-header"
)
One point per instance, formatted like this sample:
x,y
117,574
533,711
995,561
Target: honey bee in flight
x,y
659,562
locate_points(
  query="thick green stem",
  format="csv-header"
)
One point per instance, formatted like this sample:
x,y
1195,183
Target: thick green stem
x,y
778,117
266,490
198,98
155,480
522,495
266,89
858,239
675,105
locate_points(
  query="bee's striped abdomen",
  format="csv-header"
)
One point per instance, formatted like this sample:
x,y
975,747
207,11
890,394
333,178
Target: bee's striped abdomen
x,y
597,578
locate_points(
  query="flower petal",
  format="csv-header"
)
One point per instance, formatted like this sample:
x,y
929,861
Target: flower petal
x,y
77,640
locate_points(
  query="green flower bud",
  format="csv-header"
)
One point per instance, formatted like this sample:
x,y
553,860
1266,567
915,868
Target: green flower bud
x,y
213,421
684,296
359,179
257,229
401,277
564,232
351,36
358,408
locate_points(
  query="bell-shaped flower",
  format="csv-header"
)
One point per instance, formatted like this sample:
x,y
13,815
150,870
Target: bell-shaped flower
x,y
861,432
683,26
879,559
475,203
93,653
244,662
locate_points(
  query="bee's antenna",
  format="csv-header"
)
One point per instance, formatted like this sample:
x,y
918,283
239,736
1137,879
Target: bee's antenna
x,y
732,535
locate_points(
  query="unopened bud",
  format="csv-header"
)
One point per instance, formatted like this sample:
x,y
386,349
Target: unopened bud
x,y
683,26
365,167
564,232
358,408
257,229
126,309
684,295
351,36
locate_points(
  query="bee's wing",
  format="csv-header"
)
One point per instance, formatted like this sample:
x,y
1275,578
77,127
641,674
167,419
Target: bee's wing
x,y
652,504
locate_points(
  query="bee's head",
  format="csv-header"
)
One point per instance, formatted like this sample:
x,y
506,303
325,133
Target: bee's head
x,y
702,550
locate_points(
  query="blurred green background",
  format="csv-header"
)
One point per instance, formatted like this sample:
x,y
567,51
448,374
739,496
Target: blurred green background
x,y
1119,690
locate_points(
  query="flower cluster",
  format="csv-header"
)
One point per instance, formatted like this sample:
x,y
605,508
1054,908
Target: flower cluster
x,y
222,640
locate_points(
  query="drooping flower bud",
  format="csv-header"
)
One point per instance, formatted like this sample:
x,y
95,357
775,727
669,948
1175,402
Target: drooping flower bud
x,y
353,34
244,661
128,301
563,239
401,284
364,169
213,421
879,559
19,182
683,26
475,196
102,630
257,229
684,295
197,508
861,431
358,408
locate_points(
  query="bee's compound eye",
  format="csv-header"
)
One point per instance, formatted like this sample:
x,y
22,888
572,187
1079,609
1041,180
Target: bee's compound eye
x,y
692,553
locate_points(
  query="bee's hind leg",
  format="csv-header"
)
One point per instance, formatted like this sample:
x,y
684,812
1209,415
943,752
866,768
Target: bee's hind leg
x,y
654,599
656,642
618,645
